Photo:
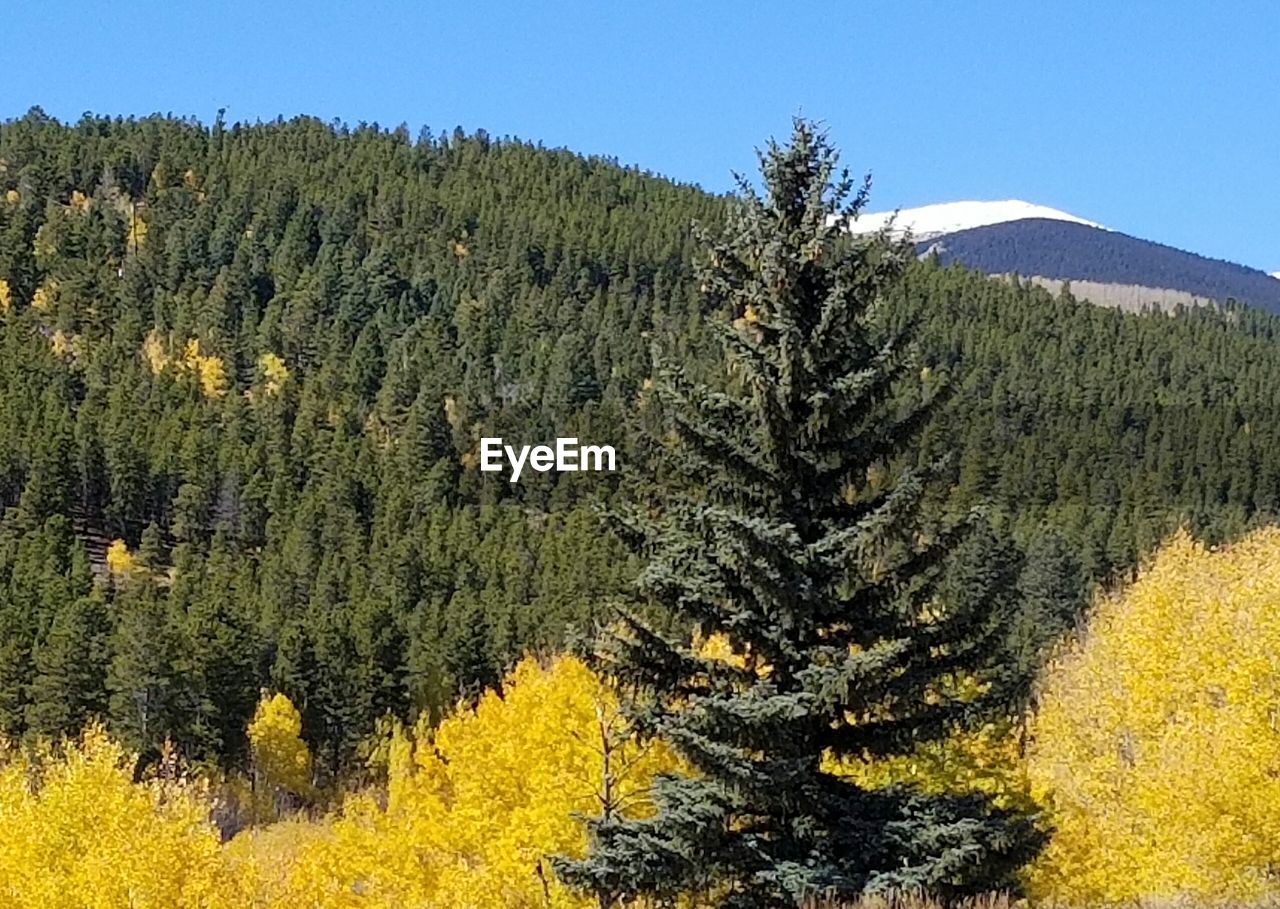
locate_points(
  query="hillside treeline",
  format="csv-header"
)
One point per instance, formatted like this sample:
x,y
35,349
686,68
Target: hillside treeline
x,y
1176,672
245,369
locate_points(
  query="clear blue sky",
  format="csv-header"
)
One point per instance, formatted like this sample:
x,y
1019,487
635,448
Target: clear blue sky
x,y
1161,119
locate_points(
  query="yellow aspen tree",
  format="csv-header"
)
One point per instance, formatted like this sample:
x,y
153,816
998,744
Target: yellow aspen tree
x,y
281,759
274,372
120,561
209,370
66,345
475,809
155,351
212,373
136,232
76,832
45,295
1156,743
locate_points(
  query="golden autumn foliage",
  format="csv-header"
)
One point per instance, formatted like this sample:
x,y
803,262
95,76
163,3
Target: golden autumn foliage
x,y
212,373
274,372
469,818
12,196
136,232
475,809
281,759
6,296
1157,743
470,814
986,761
208,370
45,296
76,832
1155,747
66,345
155,351
121,563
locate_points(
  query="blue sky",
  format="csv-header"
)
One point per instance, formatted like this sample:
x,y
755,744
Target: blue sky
x,y
1161,119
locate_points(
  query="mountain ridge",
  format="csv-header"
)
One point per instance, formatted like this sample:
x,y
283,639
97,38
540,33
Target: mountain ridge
x,y
1069,251
1053,247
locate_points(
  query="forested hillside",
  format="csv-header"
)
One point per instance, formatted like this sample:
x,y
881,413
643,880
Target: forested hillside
x,y
1061,250
245,369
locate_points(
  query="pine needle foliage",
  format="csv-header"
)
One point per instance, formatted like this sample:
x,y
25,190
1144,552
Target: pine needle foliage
x,y
798,541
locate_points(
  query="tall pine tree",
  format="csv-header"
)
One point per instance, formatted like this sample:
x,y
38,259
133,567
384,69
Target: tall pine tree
x,y
800,544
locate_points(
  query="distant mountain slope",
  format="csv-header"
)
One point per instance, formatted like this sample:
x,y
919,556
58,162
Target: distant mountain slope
x,y
1064,250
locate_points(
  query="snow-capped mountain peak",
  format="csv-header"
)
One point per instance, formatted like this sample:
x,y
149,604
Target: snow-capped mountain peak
x,y
949,217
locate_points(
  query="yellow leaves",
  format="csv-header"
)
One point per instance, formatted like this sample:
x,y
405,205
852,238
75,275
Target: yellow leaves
x,y
470,817
1155,744
45,296
281,759
135,230
460,249
274,372
748,320
6,296
77,831
12,196
121,563
67,346
79,203
718,648
155,351
1155,748
474,811
985,761
496,789
453,412
208,370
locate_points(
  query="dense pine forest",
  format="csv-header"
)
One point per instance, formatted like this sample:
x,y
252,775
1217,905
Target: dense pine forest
x,y
245,370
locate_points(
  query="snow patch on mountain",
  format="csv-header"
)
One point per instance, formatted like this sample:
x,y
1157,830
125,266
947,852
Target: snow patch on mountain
x,y
949,217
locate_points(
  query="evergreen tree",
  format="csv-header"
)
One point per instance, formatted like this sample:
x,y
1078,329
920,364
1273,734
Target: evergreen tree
x,y
1053,596
70,664
795,545
150,694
